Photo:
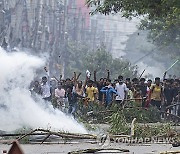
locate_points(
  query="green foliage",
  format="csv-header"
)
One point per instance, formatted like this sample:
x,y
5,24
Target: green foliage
x,y
150,115
154,8
81,59
76,55
165,30
152,130
101,60
147,122
118,123
162,17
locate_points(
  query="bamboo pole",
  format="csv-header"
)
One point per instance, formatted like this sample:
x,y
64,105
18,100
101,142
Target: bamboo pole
x,y
172,105
46,138
19,138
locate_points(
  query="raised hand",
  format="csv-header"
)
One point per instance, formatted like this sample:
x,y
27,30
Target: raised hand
x,y
45,68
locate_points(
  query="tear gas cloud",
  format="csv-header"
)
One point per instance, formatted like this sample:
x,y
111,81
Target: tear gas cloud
x,y
153,70
17,108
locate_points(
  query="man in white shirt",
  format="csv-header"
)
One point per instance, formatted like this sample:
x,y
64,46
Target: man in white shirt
x,y
121,89
45,89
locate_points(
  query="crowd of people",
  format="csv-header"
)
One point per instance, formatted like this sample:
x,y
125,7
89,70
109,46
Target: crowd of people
x,y
66,94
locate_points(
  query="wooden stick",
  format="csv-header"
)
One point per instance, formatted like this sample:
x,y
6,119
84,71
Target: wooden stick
x,y
56,79
60,134
8,135
171,114
96,150
78,76
19,138
46,138
142,74
69,135
170,152
172,105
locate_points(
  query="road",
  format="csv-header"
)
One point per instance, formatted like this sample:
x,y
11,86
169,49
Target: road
x,y
65,148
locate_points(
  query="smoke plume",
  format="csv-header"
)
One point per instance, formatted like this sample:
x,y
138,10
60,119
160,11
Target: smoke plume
x,y
17,108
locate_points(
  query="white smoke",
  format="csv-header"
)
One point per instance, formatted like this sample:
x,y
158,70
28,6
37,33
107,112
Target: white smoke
x,y
17,108
153,70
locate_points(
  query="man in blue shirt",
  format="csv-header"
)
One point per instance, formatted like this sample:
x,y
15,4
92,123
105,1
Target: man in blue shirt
x,y
108,91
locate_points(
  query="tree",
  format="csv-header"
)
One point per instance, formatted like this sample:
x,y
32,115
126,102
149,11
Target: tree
x,y
82,59
161,17
153,8
102,60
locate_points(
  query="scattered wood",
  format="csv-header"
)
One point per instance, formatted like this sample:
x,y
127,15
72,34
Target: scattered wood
x,y
59,134
172,105
63,135
46,138
170,152
126,107
19,138
170,114
20,134
99,150
46,132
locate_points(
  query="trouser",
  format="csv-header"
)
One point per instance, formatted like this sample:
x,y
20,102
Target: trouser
x,y
108,104
177,109
169,109
90,106
47,101
119,103
143,102
156,103
47,98
61,104
72,109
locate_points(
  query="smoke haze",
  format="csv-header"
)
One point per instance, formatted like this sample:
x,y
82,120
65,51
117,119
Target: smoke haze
x,y
17,108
